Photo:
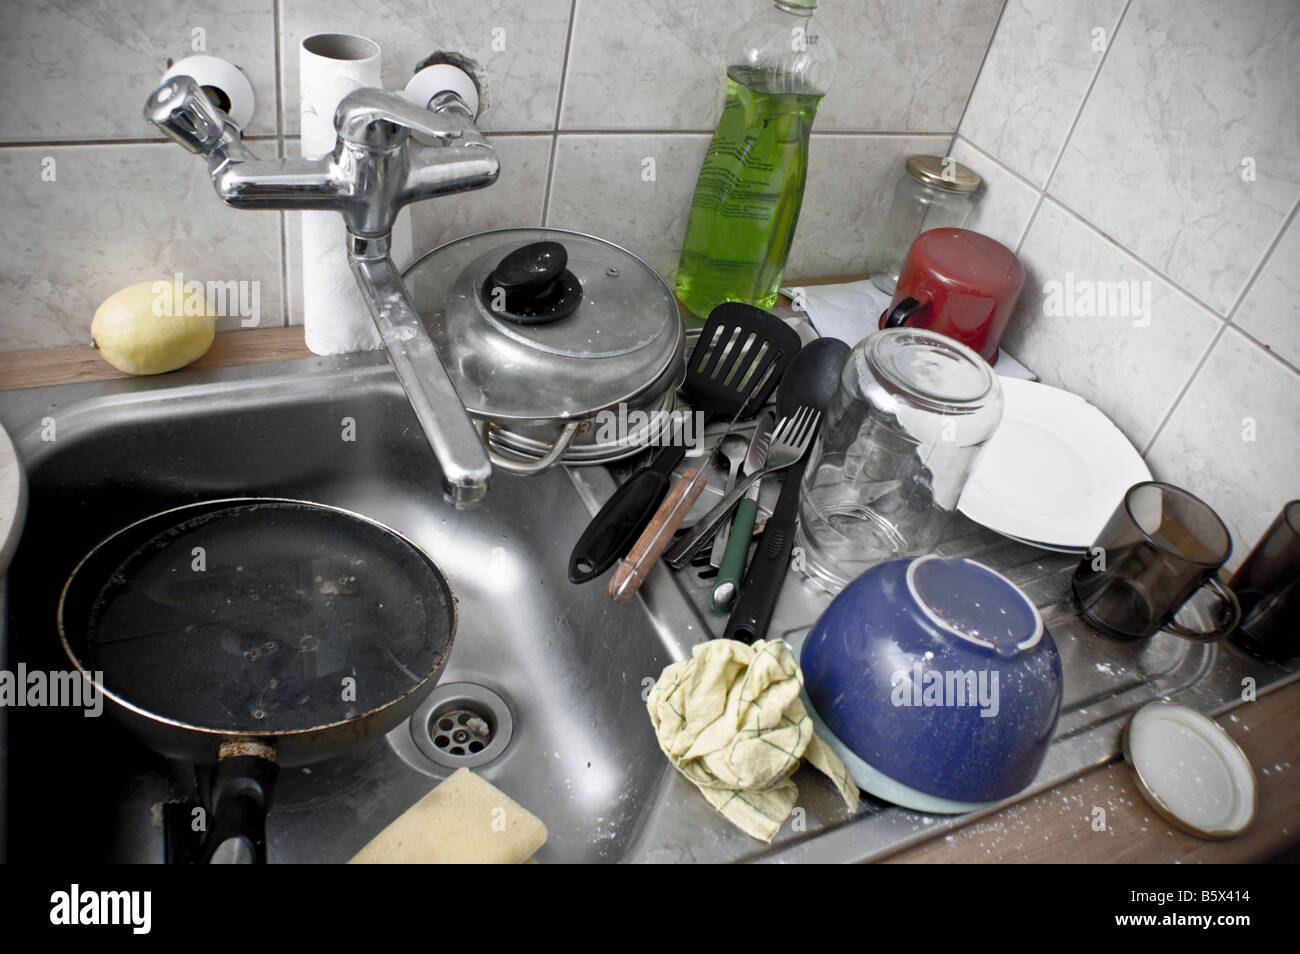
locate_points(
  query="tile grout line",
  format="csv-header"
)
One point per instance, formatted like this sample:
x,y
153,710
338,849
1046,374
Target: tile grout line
x,y
1263,261
276,21
956,130
1286,365
984,153
1129,253
1182,392
1229,322
1087,94
83,143
1038,192
534,133
1044,190
559,109
1033,217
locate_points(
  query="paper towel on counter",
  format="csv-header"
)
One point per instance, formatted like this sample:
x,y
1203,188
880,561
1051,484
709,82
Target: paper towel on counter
x,y
851,310
335,317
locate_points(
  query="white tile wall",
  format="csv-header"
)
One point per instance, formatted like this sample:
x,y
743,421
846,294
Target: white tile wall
x,y
850,186
1132,361
1232,439
643,78
633,190
1132,162
1190,91
78,71
1039,66
82,243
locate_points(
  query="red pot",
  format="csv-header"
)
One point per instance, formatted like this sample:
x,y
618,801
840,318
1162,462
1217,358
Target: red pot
x,y
961,284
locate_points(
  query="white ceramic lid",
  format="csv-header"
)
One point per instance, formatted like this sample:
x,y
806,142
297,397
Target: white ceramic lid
x,y
1190,770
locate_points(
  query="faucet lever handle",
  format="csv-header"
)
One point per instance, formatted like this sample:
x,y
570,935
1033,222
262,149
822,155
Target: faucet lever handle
x,y
181,109
361,109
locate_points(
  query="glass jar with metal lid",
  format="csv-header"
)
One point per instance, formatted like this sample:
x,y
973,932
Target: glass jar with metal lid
x,y
933,192
910,413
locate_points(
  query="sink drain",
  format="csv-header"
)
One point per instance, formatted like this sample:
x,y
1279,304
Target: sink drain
x,y
462,725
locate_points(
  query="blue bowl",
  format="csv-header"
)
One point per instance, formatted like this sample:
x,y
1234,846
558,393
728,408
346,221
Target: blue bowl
x,y
939,679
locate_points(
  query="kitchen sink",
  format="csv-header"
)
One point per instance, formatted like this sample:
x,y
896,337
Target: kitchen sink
x,y
565,663
555,673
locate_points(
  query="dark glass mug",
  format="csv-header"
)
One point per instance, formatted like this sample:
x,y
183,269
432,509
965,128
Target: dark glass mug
x,y
1267,585
1158,548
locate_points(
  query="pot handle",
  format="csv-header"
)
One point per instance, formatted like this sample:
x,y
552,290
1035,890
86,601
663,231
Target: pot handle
x,y
900,315
532,467
241,794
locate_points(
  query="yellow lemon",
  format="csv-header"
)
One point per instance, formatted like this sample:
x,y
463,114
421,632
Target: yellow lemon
x,y
155,326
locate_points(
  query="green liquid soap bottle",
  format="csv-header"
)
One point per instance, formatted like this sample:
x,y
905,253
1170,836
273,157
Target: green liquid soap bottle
x,y
747,199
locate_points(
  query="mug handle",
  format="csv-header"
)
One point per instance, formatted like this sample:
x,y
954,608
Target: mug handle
x,y
905,310
1229,599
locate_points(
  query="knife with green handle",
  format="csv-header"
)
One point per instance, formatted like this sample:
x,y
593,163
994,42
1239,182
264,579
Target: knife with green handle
x,y
732,568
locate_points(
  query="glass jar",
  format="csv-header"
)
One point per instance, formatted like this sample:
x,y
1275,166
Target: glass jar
x,y
933,192
910,413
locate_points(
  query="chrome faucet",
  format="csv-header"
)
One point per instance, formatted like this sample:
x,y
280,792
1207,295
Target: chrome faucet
x,y
389,153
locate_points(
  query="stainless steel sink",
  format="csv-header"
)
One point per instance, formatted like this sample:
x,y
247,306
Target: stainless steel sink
x,y
567,661
559,668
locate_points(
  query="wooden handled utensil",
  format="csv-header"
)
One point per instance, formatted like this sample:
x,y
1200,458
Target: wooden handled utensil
x,y
631,572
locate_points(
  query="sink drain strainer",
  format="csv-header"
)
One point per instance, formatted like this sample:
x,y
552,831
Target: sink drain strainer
x,y
462,725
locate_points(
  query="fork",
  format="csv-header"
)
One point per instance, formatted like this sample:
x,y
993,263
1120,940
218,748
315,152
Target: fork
x,y
789,442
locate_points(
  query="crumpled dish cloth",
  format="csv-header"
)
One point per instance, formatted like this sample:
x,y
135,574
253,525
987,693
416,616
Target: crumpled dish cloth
x,y
731,721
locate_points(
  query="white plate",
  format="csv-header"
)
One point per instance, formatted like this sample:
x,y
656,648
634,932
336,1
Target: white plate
x,y
1190,770
1054,472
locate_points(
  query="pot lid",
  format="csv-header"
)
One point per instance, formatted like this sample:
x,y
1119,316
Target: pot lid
x,y
539,324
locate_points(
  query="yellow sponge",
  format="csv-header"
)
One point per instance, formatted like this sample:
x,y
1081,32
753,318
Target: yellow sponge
x,y
465,820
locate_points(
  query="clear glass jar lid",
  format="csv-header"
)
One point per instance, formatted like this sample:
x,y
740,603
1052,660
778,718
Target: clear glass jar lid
x,y
931,367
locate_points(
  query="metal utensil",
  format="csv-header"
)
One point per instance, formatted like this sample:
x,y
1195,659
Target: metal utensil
x,y
742,526
736,454
791,439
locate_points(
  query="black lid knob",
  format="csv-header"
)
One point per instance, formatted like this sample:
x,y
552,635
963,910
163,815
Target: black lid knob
x,y
532,286
531,267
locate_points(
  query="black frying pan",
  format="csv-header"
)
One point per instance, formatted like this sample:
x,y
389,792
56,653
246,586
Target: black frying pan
x,y
252,633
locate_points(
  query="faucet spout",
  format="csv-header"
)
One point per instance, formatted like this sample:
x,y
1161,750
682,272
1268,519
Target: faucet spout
x,y
466,470
374,170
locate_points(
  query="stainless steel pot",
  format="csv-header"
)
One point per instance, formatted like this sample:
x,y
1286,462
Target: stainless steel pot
x,y
550,337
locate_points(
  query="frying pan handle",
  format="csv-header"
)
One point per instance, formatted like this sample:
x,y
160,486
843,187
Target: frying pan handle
x,y
241,794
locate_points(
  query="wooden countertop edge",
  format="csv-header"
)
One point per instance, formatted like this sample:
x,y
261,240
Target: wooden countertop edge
x,y
81,363
34,369
1057,825
1053,826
